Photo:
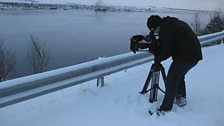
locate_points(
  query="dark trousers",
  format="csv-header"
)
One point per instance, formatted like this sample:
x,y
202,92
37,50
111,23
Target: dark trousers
x,y
175,84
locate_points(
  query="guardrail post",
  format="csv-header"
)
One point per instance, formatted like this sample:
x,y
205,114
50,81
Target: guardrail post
x,y
100,81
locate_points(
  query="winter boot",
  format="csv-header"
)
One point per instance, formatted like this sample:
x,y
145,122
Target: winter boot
x,y
160,112
180,101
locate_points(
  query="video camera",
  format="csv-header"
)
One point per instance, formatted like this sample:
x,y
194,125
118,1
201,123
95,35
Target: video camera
x,y
149,42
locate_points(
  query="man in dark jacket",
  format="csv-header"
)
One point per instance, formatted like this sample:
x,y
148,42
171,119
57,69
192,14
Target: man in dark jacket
x,y
177,40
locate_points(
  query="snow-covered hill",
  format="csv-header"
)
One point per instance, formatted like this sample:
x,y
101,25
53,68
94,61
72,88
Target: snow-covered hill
x,y
120,104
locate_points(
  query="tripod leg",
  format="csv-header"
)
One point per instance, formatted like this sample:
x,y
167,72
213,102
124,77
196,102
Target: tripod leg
x,y
144,90
163,74
161,90
164,77
154,87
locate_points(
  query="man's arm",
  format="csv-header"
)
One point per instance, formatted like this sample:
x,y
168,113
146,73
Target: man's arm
x,y
165,46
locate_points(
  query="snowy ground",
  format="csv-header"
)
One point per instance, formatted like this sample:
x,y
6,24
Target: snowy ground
x,y
120,104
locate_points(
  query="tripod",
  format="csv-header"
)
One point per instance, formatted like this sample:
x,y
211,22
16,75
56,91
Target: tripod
x,y
153,76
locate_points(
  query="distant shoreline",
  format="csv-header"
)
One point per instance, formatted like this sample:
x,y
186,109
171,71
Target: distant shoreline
x,y
73,6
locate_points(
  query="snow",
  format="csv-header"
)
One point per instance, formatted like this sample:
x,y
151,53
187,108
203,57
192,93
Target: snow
x,y
120,104
184,4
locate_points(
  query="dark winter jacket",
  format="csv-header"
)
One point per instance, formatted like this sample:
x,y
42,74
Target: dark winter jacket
x,y
179,41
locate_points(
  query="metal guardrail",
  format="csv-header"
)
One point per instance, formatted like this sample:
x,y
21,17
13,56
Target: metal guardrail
x,y
21,89
206,39
25,88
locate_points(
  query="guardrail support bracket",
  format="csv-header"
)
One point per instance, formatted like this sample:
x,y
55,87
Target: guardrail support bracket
x,y
100,81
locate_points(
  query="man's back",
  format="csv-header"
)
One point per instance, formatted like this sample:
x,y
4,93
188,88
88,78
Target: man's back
x,y
178,39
